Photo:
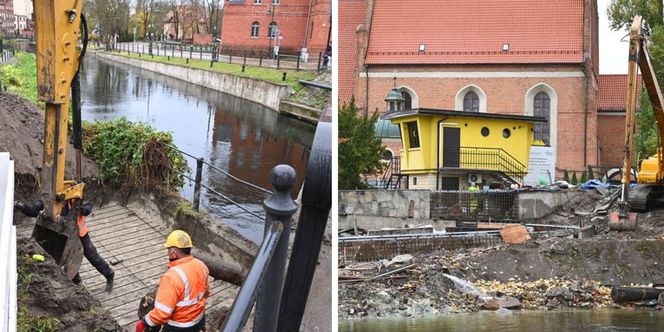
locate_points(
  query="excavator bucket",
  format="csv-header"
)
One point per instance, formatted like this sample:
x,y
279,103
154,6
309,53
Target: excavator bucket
x,y
60,240
626,222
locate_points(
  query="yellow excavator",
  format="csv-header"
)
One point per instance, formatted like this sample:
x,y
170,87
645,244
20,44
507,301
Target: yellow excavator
x,y
59,51
650,182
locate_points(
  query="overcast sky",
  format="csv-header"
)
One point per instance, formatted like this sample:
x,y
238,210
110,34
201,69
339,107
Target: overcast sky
x,y
612,52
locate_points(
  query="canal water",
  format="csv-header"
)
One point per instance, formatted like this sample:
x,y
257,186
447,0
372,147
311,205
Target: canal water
x,y
241,137
603,320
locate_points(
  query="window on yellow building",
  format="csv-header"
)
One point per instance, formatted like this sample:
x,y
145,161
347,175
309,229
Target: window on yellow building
x,y
542,109
413,135
471,103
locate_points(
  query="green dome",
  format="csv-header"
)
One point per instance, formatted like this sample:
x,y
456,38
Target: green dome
x,y
394,95
386,129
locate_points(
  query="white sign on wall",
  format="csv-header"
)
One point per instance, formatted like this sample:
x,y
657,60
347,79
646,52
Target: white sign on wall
x,y
541,165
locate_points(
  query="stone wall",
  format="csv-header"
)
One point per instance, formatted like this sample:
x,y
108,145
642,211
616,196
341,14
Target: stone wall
x,y
385,203
262,92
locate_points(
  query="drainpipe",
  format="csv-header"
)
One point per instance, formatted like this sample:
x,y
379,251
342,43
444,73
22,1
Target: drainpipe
x,y
585,120
366,95
306,33
440,122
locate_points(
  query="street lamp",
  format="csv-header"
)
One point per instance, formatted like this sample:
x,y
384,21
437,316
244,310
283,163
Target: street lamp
x,y
270,30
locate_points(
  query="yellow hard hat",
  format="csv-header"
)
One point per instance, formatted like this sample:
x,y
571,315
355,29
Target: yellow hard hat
x,y
178,239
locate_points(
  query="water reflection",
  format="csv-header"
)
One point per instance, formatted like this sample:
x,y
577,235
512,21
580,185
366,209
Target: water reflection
x,y
241,137
519,321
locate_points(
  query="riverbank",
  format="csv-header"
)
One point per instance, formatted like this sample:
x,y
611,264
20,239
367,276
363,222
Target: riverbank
x,y
552,271
279,90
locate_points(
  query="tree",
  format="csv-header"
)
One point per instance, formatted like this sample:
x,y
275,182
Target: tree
x,y
621,14
360,150
112,17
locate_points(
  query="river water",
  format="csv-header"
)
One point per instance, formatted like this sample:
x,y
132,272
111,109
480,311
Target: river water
x,y
241,137
520,321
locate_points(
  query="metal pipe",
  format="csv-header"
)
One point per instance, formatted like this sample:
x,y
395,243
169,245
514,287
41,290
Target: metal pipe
x,y
315,84
244,301
197,183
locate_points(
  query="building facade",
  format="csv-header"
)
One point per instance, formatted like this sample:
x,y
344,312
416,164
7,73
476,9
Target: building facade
x,y
7,17
292,25
536,58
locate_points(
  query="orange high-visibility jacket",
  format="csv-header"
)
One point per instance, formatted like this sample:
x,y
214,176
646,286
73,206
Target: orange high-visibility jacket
x,y
180,300
80,221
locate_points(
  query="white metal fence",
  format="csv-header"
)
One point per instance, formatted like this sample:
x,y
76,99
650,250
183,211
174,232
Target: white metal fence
x,y
8,277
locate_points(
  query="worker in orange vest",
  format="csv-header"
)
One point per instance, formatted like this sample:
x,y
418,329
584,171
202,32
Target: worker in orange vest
x,y
89,250
180,301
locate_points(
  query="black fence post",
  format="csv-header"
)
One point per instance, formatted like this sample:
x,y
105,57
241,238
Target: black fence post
x,y
319,58
279,207
244,61
230,55
278,60
297,67
260,58
316,204
197,183
200,52
173,50
191,51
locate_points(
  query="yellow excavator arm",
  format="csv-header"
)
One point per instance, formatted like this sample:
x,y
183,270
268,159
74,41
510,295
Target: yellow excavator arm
x,y
651,174
57,33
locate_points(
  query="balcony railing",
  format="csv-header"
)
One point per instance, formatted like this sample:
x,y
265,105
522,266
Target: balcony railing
x,y
486,159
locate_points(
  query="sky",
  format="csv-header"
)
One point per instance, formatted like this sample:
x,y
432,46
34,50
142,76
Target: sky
x,y
612,52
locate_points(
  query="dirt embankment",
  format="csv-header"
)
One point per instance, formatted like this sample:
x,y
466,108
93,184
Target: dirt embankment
x,y
47,299
549,272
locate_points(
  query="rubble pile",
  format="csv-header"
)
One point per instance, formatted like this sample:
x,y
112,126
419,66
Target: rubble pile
x,y
546,294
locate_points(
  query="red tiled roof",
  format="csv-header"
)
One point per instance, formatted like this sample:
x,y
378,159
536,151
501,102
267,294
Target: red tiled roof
x,y
352,13
472,32
612,92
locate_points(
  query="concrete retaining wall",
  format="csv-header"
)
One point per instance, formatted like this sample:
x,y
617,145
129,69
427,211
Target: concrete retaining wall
x,y
302,112
538,204
262,92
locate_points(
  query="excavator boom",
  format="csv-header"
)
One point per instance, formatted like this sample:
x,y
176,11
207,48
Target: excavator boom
x,y
57,31
651,174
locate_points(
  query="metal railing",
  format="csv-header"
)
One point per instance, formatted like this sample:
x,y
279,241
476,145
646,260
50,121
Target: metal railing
x,y
497,205
491,159
8,276
393,169
244,57
280,295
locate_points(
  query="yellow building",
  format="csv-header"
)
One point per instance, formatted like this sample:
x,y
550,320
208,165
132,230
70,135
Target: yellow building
x,y
447,150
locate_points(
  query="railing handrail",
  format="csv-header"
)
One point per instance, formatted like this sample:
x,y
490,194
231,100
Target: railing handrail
x,y
501,150
8,276
244,301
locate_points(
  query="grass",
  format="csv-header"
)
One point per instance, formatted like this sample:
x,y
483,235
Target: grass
x,y
21,78
260,73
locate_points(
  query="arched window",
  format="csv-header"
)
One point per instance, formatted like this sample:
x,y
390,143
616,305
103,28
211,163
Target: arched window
x,y
471,103
254,29
272,30
408,100
542,108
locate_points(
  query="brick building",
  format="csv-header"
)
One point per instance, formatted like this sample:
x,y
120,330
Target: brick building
x,y
7,17
292,24
611,106
511,57
23,18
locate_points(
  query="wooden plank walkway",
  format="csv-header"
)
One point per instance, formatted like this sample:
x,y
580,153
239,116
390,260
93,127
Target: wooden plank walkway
x,y
134,248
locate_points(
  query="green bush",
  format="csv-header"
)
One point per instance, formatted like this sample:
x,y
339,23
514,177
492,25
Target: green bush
x,y
575,181
591,174
566,176
134,155
584,177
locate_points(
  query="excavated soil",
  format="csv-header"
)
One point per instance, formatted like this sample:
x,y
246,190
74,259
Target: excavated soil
x,y
46,292
22,134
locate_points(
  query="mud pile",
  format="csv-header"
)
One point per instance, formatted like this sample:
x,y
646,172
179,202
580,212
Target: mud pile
x,y
22,135
45,292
